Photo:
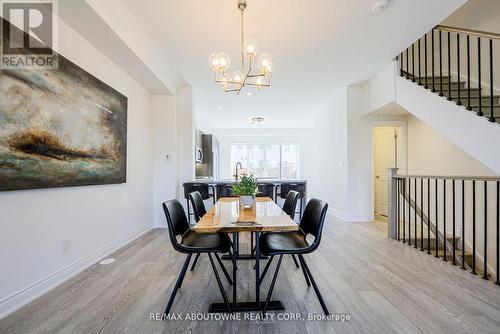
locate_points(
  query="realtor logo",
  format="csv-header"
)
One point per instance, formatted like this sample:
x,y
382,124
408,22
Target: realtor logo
x,y
28,34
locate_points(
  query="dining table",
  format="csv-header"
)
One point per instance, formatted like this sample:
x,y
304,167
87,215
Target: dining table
x,y
230,216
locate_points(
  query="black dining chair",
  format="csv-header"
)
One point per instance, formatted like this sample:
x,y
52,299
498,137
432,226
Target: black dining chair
x,y
298,186
224,190
266,190
294,242
199,211
194,243
289,208
203,189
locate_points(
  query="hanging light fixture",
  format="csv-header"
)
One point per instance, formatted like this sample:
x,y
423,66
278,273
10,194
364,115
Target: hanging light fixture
x,y
220,63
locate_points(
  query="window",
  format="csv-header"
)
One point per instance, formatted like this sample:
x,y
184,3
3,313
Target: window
x,y
279,161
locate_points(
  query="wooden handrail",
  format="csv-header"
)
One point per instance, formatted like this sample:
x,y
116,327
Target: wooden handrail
x,y
473,32
443,177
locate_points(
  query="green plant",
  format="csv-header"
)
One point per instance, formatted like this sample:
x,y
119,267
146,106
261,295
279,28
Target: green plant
x,y
247,186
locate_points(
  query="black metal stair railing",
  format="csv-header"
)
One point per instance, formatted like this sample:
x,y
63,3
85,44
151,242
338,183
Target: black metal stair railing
x,y
455,218
451,59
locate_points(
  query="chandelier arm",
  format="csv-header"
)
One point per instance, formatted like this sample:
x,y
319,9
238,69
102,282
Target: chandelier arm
x,y
242,54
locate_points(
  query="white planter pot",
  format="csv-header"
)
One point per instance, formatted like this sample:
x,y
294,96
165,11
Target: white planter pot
x,y
247,201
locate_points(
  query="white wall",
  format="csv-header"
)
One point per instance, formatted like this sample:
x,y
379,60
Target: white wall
x,y
330,151
165,154
96,219
426,146
185,139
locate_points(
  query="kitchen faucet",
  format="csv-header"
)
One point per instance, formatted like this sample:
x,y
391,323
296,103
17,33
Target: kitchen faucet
x,y
236,170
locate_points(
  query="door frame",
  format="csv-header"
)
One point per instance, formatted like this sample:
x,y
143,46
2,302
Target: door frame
x,y
402,152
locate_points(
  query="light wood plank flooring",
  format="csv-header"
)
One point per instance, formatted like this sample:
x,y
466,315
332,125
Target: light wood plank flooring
x,y
385,287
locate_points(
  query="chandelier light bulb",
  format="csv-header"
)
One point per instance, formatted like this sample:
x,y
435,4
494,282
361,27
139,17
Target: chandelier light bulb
x,y
265,62
224,61
213,61
258,81
238,77
250,47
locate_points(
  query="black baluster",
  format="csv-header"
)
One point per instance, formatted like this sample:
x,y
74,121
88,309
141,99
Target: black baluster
x,y
422,214
404,209
485,241
428,216
444,220
459,103
397,213
425,61
480,112
432,61
409,211
449,69
453,262
440,66
468,73
497,282
416,229
463,225
419,65
407,61
401,64
436,209
492,116
413,62
474,227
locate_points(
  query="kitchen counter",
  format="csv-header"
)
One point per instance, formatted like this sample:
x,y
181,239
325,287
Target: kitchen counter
x,y
266,181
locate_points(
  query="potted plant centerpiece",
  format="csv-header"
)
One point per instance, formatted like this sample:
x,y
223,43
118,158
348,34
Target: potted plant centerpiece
x,y
246,189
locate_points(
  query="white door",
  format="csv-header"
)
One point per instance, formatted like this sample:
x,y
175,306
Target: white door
x,y
385,157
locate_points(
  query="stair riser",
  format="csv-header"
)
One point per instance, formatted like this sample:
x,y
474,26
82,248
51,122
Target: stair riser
x,y
454,86
474,100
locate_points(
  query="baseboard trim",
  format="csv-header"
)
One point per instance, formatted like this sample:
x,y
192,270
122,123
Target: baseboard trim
x,y
37,289
343,217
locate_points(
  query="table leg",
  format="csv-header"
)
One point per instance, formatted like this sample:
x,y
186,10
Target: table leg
x,y
257,270
234,269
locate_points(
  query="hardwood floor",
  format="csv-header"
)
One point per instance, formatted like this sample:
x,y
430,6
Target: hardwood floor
x,y
383,285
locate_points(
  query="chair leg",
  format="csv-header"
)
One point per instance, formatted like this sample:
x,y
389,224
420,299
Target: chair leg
x,y
251,243
195,261
223,268
266,268
295,261
315,286
272,284
304,271
178,283
221,288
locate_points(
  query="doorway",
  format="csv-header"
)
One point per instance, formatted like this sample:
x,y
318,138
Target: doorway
x,y
387,146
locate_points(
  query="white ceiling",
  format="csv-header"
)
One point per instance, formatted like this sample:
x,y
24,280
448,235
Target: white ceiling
x,y
318,46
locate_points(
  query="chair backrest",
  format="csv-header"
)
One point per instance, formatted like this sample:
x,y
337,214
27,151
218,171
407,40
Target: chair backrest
x,y
291,203
313,219
198,205
176,220
202,188
299,187
266,190
224,190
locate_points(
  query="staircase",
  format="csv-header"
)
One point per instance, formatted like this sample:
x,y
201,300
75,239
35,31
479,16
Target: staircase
x,y
441,62
454,218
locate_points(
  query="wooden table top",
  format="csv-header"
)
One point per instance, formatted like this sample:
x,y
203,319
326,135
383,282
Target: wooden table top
x,y
227,215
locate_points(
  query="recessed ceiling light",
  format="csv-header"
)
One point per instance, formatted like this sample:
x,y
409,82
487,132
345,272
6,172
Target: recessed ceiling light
x,y
220,108
381,5
257,120
249,93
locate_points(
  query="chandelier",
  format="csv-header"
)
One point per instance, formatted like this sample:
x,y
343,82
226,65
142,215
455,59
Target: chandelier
x,y
247,76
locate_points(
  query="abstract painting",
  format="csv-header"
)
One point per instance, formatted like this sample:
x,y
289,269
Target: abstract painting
x,y
60,128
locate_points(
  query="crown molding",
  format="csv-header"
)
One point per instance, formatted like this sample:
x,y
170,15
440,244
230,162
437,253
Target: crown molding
x,y
123,23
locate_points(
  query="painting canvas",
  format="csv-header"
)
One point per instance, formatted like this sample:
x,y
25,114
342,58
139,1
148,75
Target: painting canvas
x,y
59,128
